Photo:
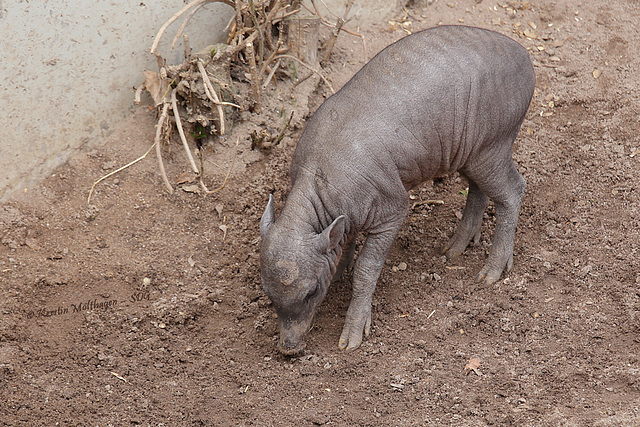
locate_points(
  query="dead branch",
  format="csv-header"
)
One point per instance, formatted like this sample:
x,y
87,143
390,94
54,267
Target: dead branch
x,y
176,115
182,11
269,60
364,42
270,76
427,202
251,44
304,64
138,94
186,21
255,78
284,16
211,93
284,128
154,45
156,142
338,26
187,49
117,170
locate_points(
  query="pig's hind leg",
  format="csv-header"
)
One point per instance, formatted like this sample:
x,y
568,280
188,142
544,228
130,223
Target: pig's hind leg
x,y
499,179
470,224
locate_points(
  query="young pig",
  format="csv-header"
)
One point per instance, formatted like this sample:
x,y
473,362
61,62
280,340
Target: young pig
x,y
446,99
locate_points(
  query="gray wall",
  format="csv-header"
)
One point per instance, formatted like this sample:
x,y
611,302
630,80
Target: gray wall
x,y
68,68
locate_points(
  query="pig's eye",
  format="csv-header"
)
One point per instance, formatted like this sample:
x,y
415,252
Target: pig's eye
x,y
313,292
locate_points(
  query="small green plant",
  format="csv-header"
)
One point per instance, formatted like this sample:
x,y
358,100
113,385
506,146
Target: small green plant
x,y
465,193
200,132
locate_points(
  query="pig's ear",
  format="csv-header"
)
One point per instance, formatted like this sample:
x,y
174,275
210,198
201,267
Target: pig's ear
x,y
267,217
332,235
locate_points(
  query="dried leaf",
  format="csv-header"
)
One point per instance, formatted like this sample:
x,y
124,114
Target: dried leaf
x,y
32,243
224,229
154,85
473,365
191,188
558,43
187,177
219,208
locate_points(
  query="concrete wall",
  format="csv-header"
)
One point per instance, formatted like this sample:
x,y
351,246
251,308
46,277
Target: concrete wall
x,y
68,68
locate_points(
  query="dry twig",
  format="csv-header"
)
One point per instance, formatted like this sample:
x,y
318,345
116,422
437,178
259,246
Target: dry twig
x,y
186,21
198,3
301,62
156,142
211,93
176,115
116,171
338,26
233,162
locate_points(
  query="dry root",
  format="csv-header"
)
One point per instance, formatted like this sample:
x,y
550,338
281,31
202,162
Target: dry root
x,y
198,93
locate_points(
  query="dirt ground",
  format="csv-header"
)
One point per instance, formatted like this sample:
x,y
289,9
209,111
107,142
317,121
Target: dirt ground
x,y
144,308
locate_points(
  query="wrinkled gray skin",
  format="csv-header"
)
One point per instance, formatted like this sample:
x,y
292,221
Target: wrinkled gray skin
x,y
447,99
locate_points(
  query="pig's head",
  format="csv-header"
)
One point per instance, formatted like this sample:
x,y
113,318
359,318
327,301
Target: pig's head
x,y
296,268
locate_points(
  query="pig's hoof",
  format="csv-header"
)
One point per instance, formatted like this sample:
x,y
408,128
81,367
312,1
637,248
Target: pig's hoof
x,y
459,242
452,249
491,274
488,277
351,336
450,253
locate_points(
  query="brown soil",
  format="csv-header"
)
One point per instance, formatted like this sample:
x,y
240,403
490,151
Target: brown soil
x,y
146,308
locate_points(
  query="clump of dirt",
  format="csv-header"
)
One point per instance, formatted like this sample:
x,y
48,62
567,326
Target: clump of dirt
x,y
145,308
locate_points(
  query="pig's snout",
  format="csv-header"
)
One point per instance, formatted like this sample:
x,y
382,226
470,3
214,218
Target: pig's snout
x,y
291,341
291,348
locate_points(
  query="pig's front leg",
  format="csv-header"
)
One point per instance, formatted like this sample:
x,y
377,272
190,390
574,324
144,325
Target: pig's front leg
x,y
365,276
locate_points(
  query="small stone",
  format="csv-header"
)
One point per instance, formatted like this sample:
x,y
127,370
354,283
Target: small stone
x,y
108,165
586,270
